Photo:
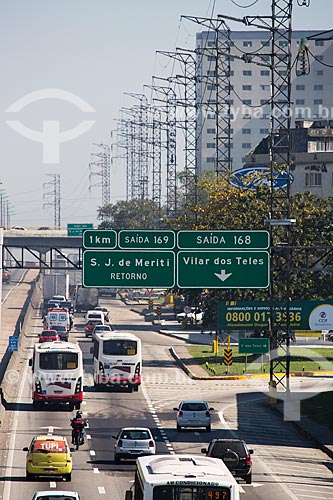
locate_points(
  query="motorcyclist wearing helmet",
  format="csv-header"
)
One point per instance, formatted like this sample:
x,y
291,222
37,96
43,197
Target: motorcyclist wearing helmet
x,y
78,423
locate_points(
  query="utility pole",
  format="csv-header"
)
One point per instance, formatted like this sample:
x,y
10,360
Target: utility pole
x,y
53,198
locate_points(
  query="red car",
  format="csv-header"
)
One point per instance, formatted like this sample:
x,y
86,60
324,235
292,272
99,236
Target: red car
x,y
49,336
90,325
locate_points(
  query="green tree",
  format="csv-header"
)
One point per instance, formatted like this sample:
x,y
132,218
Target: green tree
x,y
134,214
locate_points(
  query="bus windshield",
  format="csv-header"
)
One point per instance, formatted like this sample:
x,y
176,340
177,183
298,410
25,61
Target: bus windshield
x,y
58,361
120,347
172,492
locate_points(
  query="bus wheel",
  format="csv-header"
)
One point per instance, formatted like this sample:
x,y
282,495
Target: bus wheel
x,y
130,388
36,405
77,406
136,388
68,477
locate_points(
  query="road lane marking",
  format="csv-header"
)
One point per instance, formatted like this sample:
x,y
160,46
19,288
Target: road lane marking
x,y
96,470
101,490
53,484
92,453
12,441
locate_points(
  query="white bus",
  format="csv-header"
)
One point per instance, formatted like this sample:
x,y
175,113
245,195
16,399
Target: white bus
x,y
117,360
182,477
57,374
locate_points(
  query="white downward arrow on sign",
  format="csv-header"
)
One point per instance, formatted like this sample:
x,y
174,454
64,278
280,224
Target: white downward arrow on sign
x,y
223,275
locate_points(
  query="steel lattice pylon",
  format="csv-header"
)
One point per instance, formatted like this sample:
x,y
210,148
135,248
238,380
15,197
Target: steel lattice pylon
x,y
189,124
54,197
156,157
170,126
221,81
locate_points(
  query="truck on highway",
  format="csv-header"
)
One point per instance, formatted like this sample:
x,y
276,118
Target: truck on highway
x,y
55,284
85,298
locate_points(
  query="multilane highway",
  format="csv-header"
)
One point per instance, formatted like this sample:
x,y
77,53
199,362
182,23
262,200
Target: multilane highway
x,y
286,465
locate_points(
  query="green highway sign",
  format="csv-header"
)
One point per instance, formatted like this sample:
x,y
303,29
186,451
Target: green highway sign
x,y
219,269
77,229
146,240
100,239
130,269
223,240
253,346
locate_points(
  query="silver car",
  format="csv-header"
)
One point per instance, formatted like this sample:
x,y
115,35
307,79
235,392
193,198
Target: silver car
x,y
194,413
133,442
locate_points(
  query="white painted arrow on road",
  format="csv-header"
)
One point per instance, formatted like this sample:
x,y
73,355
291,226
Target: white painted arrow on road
x,y
223,275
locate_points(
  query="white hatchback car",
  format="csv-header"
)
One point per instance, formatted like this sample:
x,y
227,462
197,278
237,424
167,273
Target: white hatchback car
x,y
56,495
133,442
194,413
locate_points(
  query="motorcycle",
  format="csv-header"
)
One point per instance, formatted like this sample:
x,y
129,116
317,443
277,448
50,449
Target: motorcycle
x,y
77,437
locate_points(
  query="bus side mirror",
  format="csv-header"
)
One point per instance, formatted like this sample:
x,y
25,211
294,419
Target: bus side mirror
x,y
91,350
129,495
30,362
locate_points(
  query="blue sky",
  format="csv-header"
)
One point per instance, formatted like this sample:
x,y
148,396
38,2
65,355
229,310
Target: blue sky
x,y
96,50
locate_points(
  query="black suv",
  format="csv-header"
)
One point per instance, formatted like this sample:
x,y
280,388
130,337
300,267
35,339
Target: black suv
x,y
235,454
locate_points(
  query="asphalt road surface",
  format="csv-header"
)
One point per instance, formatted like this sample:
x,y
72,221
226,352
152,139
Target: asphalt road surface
x,y
285,465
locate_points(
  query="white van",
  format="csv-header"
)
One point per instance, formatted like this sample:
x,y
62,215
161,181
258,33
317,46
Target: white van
x,y
93,314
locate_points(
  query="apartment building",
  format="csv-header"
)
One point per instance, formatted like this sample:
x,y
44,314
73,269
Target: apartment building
x,y
311,94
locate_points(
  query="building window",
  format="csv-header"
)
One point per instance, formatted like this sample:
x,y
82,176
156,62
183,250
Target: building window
x,y
324,144
211,101
263,102
211,131
211,72
243,159
265,116
211,44
247,87
211,145
264,72
264,131
313,179
247,102
320,58
246,116
319,43
211,87
318,101
300,87
232,73
211,58
265,58
247,72
246,131
317,87
264,87
319,72
265,44
210,160
283,43
210,116
246,145
247,44
300,101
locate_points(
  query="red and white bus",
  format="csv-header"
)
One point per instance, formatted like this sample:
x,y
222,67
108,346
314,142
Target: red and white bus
x,y
57,374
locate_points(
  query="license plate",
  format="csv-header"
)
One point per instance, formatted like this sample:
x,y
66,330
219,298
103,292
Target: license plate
x,y
49,470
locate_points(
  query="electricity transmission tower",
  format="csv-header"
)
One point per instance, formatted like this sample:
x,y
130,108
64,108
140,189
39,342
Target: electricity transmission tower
x,y
188,101
101,167
52,197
